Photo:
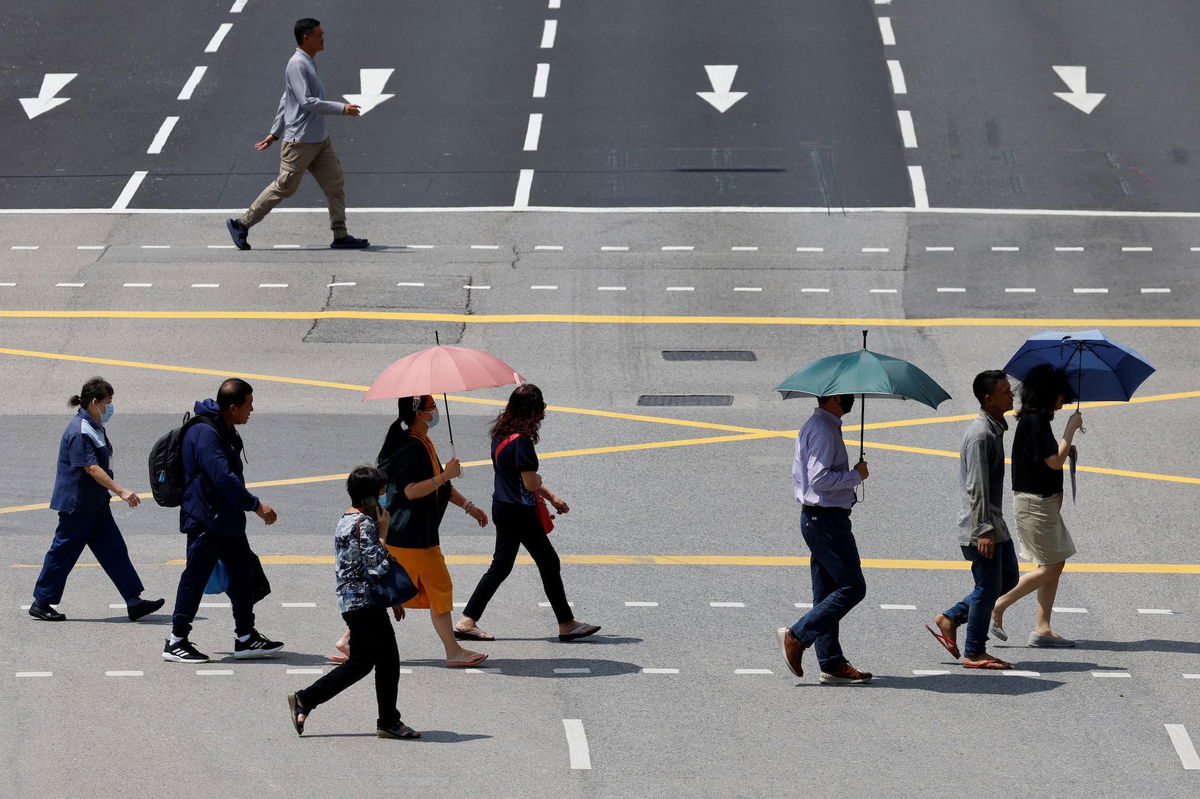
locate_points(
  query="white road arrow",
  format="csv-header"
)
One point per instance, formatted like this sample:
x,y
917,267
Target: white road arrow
x,y
52,84
1079,96
373,81
721,77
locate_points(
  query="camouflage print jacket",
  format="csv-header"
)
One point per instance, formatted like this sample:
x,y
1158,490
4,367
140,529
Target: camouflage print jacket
x,y
358,556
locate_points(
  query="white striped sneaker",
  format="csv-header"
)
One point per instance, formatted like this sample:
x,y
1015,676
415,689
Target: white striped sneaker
x,y
256,646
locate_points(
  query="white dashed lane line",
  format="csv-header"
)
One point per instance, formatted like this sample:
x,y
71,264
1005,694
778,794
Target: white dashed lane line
x,y
939,249
272,285
885,291
573,671
214,672
155,246
533,132
137,285
192,82
885,31
641,604
548,247
876,249
1183,746
124,674
951,290
677,248
753,671
1068,249
1156,291
810,249
305,671
898,84
237,6
549,31
1020,673
929,672
410,285
614,248
90,247
1157,612
908,132
727,604
577,744
1020,291
540,79
8,285
285,246
543,288
476,288
214,44
1069,610
747,288
221,247
611,288
1090,291
34,674
1137,249
297,604
897,607
743,249
68,285
485,246
681,288
1117,674
814,291
1006,249
660,671
340,285
24,247
160,138
206,285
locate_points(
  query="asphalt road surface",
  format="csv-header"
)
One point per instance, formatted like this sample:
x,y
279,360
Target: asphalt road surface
x,y
657,336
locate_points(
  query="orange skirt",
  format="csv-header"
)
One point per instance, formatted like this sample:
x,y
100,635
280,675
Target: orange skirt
x,y
427,569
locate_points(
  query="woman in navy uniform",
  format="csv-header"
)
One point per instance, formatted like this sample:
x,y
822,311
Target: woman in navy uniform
x,y
81,497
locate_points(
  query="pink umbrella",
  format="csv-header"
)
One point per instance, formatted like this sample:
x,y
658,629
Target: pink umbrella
x,y
438,370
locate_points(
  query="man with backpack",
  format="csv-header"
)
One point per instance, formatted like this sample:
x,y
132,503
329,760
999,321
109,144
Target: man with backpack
x,y
212,513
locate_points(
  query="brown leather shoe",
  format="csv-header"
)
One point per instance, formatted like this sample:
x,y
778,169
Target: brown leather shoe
x,y
845,674
793,650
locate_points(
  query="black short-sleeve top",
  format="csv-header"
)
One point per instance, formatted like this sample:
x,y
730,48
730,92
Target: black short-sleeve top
x,y
517,456
414,522
1033,442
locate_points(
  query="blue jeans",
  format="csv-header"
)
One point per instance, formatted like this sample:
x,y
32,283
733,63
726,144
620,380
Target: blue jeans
x,y
837,582
994,577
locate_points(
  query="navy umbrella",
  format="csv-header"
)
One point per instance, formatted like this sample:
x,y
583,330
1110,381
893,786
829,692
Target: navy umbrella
x,y
1098,368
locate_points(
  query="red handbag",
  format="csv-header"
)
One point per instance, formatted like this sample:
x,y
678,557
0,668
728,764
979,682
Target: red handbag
x,y
543,512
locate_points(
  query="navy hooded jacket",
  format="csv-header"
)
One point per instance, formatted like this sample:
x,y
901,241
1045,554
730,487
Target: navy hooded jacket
x,y
214,495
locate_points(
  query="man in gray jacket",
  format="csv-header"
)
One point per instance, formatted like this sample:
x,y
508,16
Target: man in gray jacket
x,y
983,535
300,122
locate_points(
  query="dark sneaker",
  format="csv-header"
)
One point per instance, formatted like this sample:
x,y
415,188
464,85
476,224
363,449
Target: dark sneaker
x,y
793,650
238,232
845,674
398,731
183,652
45,612
348,242
256,646
144,607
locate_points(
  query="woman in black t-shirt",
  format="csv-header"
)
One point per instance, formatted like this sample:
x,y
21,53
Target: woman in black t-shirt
x,y
1037,483
515,512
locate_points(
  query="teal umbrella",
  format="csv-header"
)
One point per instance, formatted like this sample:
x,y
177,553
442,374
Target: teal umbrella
x,y
867,374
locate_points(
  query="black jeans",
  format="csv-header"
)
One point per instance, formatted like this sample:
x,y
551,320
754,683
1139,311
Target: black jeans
x,y
372,645
518,525
203,551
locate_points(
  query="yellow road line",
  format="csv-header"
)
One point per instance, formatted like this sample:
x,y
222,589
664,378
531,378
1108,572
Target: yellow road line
x,y
895,564
609,319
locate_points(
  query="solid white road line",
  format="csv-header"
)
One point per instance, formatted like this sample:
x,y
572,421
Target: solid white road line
x,y
1157,611
124,674
131,187
213,672
660,671
897,607
305,671
641,604
214,43
908,133
916,176
524,186
297,604
753,671
1183,746
206,285
549,31
34,674
727,604
885,30
1111,674
548,247
951,290
573,671
1156,291
1020,291
929,672
939,249
677,248
540,79
577,744
192,82
1090,291
898,85
533,133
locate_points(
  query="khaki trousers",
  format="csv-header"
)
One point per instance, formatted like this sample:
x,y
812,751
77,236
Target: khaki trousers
x,y
295,158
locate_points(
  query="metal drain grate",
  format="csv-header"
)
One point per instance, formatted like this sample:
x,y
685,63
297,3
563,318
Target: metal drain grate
x,y
661,400
709,355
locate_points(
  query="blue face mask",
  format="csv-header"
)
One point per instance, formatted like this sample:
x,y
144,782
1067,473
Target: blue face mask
x,y
108,412
437,417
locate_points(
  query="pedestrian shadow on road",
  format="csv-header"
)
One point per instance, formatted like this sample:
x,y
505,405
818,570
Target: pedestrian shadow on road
x,y
589,641
1061,666
427,736
983,684
1144,645
545,667
282,658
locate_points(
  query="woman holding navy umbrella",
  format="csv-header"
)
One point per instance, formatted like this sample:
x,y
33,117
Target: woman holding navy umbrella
x,y
1038,459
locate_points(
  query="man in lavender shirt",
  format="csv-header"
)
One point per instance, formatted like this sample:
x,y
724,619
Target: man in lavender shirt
x,y
300,122
824,485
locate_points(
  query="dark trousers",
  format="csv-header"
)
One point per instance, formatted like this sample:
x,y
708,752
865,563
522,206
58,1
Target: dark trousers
x,y
837,582
372,646
204,549
994,577
97,530
517,526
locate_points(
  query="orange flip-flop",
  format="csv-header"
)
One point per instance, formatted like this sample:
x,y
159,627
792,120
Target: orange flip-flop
x,y
946,641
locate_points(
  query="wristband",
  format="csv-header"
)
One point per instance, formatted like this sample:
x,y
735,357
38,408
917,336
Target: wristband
x,y
468,506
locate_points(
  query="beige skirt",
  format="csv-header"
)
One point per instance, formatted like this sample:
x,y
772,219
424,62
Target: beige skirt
x,y
1041,535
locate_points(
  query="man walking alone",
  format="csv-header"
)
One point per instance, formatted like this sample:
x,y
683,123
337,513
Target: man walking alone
x,y
983,535
300,122
824,484
213,515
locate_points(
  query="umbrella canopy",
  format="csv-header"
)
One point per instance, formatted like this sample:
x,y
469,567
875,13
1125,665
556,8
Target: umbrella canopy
x,y
1098,368
866,373
438,370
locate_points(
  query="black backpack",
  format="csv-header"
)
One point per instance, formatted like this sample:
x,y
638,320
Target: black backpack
x,y
166,463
